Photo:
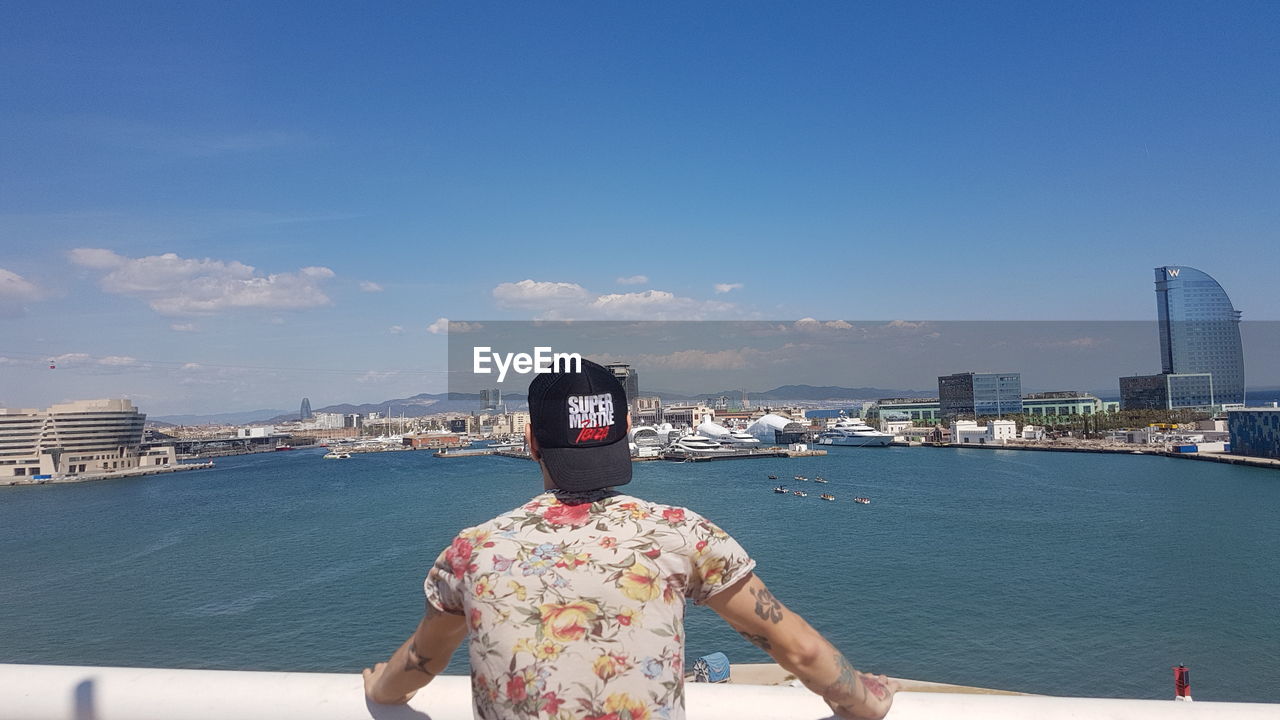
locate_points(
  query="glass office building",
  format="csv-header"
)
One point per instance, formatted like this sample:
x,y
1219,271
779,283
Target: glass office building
x,y
1172,391
1199,332
980,394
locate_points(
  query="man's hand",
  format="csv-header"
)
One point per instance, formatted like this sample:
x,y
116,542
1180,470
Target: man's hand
x,y
371,677
879,698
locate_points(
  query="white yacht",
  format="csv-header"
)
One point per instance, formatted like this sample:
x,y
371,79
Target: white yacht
x,y
698,446
726,436
854,432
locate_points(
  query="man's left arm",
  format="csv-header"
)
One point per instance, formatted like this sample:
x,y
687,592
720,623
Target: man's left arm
x,y
418,660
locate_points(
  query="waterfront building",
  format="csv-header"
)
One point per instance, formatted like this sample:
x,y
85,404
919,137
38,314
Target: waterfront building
x,y
1255,432
884,409
519,421
980,394
328,421
304,413
995,432
686,415
629,378
76,438
1061,403
774,429
895,427
1167,391
1199,331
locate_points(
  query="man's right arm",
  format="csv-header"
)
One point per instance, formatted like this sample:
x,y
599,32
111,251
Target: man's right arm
x,y
762,619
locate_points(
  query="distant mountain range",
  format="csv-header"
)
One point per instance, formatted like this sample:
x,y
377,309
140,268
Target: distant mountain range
x,y
231,418
432,403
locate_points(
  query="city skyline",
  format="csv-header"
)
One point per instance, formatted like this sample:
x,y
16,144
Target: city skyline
x,y
204,213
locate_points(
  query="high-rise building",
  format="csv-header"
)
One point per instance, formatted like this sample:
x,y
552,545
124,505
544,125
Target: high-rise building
x,y
304,414
980,394
629,378
1199,331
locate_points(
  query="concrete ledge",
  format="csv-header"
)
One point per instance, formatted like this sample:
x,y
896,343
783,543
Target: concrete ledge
x,y
54,692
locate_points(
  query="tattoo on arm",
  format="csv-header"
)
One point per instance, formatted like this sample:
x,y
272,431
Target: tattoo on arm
x,y
845,685
417,662
767,606
873,685
759,641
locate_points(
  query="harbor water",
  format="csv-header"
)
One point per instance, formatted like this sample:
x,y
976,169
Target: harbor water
x,y
1070,574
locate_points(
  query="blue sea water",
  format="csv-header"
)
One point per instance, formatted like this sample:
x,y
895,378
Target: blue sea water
x,y
1067,574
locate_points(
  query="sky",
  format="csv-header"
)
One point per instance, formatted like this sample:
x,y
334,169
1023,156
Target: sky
x,y
218,207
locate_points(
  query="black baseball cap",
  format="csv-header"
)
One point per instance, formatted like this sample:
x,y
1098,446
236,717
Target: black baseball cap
x,y
580,422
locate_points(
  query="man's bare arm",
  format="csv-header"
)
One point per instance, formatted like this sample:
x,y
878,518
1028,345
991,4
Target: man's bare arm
x,y
416,662
764,621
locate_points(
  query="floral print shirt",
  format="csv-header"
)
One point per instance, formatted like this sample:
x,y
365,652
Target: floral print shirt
x,y
575,604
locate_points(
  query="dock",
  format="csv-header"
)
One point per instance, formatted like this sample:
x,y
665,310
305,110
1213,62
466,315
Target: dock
x,y
130,473
744,455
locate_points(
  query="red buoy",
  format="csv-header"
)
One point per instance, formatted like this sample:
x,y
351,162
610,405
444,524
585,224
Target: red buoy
x,y
1181,683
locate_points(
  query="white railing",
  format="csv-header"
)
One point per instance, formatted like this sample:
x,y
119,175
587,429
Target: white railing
x,y
54,692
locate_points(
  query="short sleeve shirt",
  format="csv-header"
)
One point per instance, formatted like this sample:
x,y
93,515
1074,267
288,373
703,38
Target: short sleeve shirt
x,y
575,606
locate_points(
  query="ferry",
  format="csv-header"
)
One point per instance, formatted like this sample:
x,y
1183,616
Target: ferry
x,y
337,455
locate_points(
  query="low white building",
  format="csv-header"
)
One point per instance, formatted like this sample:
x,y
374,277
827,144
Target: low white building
x,y
895,427
1032,432
255,432
996,432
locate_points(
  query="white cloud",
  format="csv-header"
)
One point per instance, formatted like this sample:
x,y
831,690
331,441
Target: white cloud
x,y
396,330
174,285
810,324
191,366
654,305
14,286
71,359
183,327
98,258
727,287
445,325
370,287
531,294
117,360
15,290
633,280
374,376
570,301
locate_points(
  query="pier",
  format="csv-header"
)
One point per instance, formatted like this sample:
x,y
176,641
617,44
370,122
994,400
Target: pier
x,y
744,455
91,477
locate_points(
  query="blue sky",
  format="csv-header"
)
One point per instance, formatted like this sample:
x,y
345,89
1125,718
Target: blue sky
x,y
223,206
